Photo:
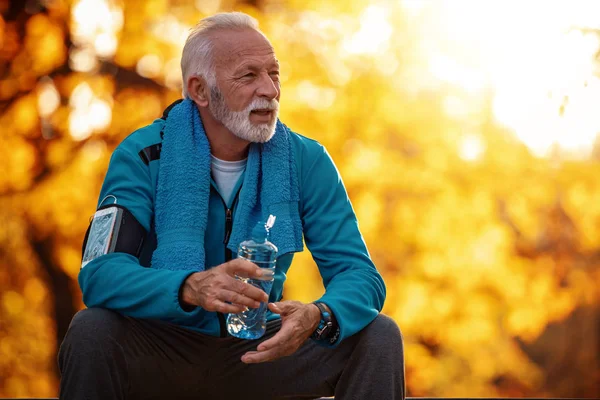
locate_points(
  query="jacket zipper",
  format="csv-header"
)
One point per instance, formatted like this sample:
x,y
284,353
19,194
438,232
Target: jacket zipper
x,y
228,228
228,254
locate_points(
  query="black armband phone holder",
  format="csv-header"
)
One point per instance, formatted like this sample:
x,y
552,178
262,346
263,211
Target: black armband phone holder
x,y
113,229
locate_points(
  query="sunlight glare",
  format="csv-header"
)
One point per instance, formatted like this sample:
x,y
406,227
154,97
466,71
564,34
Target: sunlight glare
x,y
48,97
471,148
149,66
171,30
89,114
82,59
79,129
374,33
538,66
99,114
105,44
315,96
95,23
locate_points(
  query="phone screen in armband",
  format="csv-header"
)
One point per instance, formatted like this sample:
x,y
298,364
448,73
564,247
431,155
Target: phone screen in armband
x,y
103,234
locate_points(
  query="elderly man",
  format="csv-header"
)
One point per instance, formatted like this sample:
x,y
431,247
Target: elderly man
x,y
178,198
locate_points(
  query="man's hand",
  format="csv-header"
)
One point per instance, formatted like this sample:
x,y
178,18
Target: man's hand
x,y
215,288
298,322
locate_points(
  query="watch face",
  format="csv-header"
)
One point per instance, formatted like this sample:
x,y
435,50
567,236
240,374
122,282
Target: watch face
x,y
325,325
324,331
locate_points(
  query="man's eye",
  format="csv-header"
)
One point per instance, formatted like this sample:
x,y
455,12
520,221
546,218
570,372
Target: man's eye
x,y
249,75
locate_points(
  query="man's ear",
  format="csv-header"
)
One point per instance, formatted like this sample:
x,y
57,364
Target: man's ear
x,y
198,90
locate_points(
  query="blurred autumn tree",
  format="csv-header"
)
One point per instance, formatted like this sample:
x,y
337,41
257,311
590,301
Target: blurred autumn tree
x,y
491,254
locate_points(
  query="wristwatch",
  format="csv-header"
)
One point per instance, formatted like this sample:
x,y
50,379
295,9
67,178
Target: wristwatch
x,y
328,329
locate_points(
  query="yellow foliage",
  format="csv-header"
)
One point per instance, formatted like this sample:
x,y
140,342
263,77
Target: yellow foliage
x,y
23,116
18,164
35,292
13,303
45,43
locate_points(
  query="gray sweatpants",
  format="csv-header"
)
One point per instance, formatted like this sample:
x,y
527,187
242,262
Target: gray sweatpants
x,y
108,356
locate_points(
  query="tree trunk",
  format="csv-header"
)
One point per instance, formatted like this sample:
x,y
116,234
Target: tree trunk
x,y
58,283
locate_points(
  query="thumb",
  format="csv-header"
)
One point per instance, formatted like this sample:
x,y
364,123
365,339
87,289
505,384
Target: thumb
x,y
275,308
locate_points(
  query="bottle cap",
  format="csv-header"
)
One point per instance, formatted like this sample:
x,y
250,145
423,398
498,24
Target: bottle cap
x,y
260,232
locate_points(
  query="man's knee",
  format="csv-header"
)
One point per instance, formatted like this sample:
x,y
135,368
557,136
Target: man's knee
x,y
95,323
91,330
384,333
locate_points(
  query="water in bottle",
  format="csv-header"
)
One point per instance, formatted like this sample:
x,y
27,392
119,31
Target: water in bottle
x,y
251,324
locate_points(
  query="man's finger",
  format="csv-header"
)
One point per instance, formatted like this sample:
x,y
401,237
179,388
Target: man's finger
x,y
225,308
286,307
253,357
243,268
248,290
239,299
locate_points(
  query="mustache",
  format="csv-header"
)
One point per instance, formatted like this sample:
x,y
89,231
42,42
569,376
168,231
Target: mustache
x,y
263,104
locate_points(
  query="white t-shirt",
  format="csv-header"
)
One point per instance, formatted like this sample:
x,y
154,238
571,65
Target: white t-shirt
x,y
226,175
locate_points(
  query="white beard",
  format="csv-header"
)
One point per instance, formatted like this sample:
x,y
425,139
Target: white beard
x,y
238,122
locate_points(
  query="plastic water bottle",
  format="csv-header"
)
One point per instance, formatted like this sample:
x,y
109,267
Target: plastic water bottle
x,y
252,323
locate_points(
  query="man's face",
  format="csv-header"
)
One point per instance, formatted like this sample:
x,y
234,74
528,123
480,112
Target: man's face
x,y
246,97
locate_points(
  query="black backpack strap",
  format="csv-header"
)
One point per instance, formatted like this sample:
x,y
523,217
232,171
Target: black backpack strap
x,y
152,152
168,109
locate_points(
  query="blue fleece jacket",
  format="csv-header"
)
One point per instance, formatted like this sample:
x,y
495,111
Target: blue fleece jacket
x,y
354,289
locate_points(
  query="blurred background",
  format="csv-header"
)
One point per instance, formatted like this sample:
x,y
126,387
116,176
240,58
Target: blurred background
x,y
466,133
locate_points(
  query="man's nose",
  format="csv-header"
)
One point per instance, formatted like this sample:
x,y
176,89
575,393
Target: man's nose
x,y
267,87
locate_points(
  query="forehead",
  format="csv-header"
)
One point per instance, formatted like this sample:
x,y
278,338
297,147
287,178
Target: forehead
x,y
237,47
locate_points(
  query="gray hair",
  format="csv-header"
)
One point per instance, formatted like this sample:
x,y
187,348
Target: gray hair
x,y
197,52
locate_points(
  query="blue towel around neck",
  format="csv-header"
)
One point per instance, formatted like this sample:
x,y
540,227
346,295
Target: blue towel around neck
x,y
182,195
